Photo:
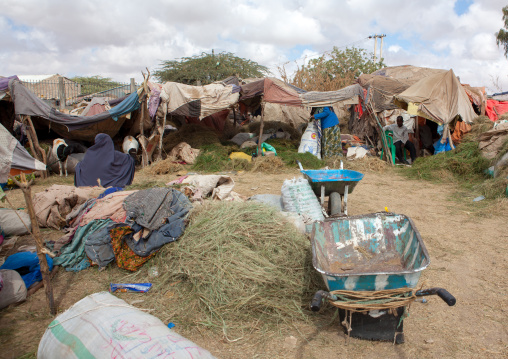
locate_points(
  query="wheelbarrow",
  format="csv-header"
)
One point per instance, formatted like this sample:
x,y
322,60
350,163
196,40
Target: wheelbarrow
x,y
336,184
360,256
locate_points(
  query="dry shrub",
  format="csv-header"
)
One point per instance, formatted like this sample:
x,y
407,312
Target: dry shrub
x,y
169,165
195,135
267,164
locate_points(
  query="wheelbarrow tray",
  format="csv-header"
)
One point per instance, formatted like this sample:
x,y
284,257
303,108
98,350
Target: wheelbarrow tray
x,y
333,180
369,252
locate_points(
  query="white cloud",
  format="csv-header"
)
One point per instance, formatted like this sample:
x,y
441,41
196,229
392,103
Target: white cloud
x,y
120,39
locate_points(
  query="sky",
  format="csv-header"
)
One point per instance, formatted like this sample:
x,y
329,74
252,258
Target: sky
x,y
120,39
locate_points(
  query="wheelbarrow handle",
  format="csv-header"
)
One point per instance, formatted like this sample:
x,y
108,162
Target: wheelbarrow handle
x,y
299,165
317,300
441,292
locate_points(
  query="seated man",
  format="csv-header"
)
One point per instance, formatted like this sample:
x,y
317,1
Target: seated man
x,y
401,139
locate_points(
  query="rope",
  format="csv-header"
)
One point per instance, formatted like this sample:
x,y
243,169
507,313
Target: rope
x,y
364,301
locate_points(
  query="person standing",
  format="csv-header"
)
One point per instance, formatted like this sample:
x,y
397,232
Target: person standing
x,y
401,140
331,144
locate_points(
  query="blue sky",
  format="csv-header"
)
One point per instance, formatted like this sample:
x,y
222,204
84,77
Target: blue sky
x,y
120,39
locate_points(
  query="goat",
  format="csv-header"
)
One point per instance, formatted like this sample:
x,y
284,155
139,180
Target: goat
x,y
130,146
61,150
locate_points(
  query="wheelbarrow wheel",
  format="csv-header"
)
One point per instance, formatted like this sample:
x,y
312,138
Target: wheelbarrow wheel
x,y
335,203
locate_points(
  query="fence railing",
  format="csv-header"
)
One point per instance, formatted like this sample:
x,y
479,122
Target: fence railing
x,y
60,92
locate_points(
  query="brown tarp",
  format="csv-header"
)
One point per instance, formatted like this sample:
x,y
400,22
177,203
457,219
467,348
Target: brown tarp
x,y
440,96
197,101
272,90
382,90
390,81
491,142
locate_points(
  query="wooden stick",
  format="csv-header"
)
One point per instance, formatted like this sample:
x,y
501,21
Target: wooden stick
x,y
27,193
260,141
384,141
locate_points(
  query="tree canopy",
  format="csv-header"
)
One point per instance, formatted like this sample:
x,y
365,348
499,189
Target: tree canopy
x,y
93,84
502,34
335,70
207,68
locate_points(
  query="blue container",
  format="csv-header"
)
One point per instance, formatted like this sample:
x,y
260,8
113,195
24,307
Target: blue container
x,y
370,252
333,180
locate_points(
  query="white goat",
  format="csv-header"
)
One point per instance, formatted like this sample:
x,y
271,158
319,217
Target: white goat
x,y
60,153
130,146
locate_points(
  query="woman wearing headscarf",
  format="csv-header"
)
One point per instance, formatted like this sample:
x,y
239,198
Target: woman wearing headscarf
x,y
102,163
331,144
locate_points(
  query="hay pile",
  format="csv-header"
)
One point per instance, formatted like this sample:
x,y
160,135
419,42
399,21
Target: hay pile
x,y
367,164
239,266
268,164
169,165
195,135
480,125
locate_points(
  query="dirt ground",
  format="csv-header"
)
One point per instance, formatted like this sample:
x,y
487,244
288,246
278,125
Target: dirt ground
x,y
467,243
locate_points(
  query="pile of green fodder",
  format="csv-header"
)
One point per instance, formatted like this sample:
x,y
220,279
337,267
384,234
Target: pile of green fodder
x,y
238,267
195,135
215,158
287,151
465,165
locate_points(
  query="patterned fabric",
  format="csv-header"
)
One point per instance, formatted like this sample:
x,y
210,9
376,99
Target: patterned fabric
x,y
331,144
125,257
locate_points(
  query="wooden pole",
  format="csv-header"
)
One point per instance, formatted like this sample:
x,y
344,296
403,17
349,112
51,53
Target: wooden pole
x,y
260,141
27,193
384,141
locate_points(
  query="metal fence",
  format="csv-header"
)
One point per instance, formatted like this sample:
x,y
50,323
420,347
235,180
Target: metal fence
x,y
61,91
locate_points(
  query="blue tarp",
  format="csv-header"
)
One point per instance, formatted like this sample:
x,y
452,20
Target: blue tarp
x,y
27,265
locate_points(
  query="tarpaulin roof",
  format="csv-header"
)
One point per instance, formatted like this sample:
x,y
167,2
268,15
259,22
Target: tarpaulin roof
x,y
27,103
328,98
441,97
13,155
390,81
407,74
197,101
273,91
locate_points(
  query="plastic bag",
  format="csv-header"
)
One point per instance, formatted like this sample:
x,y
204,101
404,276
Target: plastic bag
x,y
298,196
311,139
103,326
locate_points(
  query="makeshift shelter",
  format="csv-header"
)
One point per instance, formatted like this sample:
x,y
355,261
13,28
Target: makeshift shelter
x,y
439,98
26,103
14,158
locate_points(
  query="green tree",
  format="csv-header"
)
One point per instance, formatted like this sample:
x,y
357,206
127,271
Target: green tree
x,y
502,34
335,70
93,84
207,68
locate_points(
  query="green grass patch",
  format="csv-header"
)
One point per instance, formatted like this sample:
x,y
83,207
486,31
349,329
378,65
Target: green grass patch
x,y
215,157
287,150
464,165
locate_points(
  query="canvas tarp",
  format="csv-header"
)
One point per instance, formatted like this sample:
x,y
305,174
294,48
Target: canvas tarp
x,y
441,97
390,81
329,98
272,90
381,91
491,142
197,101
13,155
27,103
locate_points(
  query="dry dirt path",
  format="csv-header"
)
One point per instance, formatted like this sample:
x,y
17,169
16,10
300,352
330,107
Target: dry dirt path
x,y
468,257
